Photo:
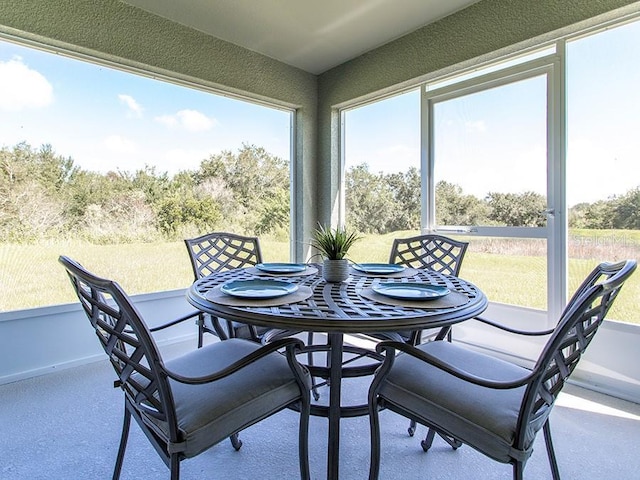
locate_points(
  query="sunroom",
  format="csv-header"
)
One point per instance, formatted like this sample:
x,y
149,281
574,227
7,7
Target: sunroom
x,y
498,100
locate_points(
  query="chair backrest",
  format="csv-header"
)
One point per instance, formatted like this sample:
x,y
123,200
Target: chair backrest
x,y
435,252
578,324
219,251
126,340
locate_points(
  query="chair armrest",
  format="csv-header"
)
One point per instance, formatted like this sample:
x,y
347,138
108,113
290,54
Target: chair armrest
x,y
513,330
391,347
171,323
291,345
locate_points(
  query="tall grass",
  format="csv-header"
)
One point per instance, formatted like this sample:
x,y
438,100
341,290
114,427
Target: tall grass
x,y
507,271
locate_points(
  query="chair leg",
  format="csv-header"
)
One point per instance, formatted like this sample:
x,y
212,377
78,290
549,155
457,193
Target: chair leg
x,y
455,443
123,443
428,440
412,428
374,424
174,462
550,452
235,441
518,471
303,441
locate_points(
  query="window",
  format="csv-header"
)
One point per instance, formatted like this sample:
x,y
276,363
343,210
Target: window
x,y
489,157
114,169
603,184
499,169
382,173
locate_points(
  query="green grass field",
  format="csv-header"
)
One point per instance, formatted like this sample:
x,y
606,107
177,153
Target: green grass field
x,y
31,275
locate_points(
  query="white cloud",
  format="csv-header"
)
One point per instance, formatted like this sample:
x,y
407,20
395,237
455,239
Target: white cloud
x,y
22,87
119,144
134,107
190,120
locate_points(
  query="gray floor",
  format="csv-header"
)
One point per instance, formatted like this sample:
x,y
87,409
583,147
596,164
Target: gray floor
x,y
66,425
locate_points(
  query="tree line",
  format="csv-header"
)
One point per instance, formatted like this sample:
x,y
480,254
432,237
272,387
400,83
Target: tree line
x,y
381,203
46,195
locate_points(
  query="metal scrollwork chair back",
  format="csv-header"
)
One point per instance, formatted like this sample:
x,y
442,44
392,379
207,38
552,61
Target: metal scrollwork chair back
x,y
432,252
188,404
218,252
492,405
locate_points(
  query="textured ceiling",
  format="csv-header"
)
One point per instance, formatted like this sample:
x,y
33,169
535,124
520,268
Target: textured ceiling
x,y
311,35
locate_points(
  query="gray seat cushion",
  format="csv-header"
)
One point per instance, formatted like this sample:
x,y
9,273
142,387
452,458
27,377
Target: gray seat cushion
x,y
208,413
242,330
481,417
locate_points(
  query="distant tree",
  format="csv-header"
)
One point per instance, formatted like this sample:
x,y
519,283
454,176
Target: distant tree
x,y
180,213
406,190
517,209
599,215
31,182
153,184
453,207
577,215
259,183
274,213
369,204
626,210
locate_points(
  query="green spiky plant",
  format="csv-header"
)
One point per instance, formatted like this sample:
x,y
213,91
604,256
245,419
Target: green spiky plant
x,y
333,244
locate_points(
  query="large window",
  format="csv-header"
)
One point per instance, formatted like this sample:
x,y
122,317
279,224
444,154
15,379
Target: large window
x,y
603,154
540,204
489,157
115,169
382,172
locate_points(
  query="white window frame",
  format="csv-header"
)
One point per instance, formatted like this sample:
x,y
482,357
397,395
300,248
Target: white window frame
x,y
552,67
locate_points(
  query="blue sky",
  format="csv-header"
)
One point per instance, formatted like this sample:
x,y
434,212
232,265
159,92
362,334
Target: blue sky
x,y
106,119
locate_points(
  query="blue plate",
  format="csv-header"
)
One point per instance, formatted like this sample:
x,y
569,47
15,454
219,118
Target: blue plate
x,y
281,267
257,289
378,268
411,291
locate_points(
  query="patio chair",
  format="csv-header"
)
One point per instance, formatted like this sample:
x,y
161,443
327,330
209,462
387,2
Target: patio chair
x,y
188,404
433,252
217,252
492,405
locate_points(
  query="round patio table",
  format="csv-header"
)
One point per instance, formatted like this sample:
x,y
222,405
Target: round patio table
x,y
350,307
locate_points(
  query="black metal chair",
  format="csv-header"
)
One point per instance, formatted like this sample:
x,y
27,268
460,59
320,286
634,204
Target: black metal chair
x,y
492,405
217,252
188,404
432,252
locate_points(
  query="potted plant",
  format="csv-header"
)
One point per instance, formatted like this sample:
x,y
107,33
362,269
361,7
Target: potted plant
x,y
334,244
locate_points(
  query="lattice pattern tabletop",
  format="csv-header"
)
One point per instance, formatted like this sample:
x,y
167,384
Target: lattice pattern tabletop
x,y
340,307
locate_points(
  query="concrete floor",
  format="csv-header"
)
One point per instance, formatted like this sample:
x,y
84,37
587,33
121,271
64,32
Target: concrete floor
x,y
66,425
